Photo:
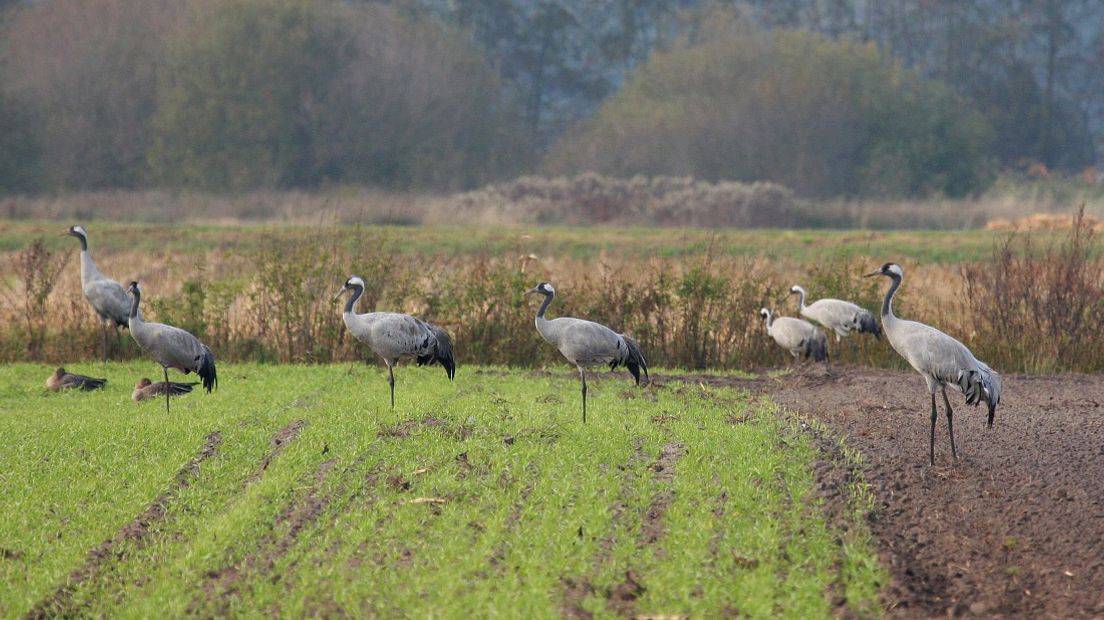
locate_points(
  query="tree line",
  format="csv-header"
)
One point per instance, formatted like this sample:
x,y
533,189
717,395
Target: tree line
x,y
830,97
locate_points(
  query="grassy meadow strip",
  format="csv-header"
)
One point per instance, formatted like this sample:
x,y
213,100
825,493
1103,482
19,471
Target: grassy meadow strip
x,y
483,497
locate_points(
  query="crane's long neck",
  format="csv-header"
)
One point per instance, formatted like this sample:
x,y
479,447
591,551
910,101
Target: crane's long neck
x,y
88,266
887,304
354,298
800,299
544,305
134,305
769,319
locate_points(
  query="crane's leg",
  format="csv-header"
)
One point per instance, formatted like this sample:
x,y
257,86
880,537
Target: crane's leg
x,y
582,375
391,382
931,444
167,384
950,424
103,327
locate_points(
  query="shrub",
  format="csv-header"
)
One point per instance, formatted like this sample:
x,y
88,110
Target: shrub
x,y
826,118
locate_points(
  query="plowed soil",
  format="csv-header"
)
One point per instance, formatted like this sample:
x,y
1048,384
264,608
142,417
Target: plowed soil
x,y
1013,528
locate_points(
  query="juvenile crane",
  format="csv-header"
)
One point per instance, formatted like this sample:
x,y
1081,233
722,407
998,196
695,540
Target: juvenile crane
x,y
837,315
106,296
146,389
586,343
940,359
62,380
800,338
171,347
393,336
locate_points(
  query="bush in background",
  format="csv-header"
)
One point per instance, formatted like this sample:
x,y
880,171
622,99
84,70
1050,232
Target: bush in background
x,y
823,117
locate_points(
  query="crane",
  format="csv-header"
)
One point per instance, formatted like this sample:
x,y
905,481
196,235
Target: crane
x,y
393,336
106,296
171,347
586,343
801,338
940,359
837,315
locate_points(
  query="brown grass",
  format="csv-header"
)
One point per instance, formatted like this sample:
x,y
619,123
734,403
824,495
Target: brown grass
x,y
1030,308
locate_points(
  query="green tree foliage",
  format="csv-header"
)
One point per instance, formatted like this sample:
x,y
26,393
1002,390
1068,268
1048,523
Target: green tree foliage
x,y
20,153
824,117
87,68
291,93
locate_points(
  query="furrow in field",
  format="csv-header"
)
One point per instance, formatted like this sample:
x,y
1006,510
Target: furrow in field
x,y
222,585
620,598
60,602
279,442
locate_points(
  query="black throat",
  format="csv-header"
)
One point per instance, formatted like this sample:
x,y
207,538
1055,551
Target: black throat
x,y
84,242
357,292
544,305
134,304
887,303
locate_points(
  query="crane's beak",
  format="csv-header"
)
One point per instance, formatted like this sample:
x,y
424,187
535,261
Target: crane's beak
x,y
531,291
872,274
343,289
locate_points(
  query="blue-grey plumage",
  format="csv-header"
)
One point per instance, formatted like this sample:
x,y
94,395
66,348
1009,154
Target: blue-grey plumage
x,y
940,359
837,315
393,336
800,338
106,296
587,344
171,347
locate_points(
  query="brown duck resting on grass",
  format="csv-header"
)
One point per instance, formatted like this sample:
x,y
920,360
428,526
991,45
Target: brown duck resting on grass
x,y
145,389
66,380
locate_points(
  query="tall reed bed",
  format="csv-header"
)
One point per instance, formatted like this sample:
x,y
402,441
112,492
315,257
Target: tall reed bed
x,y
1032,307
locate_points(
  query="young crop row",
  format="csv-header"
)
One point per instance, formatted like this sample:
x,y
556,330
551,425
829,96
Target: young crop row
x,y
474,498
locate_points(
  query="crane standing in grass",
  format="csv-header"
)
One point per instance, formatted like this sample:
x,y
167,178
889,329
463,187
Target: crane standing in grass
x,y
106,296
800,338
940,359
586,343
393,336
171,347
837,315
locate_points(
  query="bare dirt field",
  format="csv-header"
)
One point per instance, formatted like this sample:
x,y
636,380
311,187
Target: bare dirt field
x,y
1013,528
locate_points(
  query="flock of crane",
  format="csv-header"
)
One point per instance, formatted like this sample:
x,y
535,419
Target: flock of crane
x,y
939,358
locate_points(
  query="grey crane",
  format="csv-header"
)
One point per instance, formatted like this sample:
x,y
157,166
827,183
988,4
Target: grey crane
x,y
106,296
837,315
940,359
393,336
146,389
801,338
171,347
586,343
62,380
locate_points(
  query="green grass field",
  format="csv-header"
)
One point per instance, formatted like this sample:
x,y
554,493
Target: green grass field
x,y
486,497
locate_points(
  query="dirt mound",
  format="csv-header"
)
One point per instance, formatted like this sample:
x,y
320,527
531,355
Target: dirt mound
x,y
1014,528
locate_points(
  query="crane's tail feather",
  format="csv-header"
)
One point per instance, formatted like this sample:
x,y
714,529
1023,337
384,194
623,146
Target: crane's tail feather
x,y
206,370
442,352
817,348
634,359
980,385
869,325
